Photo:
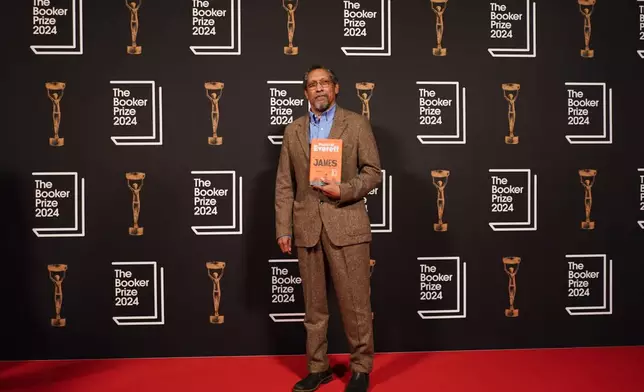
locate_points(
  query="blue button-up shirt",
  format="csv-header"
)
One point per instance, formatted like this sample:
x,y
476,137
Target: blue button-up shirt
x,y
320,128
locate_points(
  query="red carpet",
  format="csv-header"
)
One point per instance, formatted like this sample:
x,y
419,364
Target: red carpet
x,y
597,369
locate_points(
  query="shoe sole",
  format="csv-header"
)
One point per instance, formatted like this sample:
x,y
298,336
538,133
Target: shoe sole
x,y
325,380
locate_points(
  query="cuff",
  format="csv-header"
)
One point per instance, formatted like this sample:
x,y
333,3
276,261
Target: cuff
x,y
345,192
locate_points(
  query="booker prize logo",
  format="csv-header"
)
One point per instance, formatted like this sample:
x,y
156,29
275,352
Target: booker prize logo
x,y
438,6
55,93
439,179
59,204
511,267
443,288
379,205
285,103
139,293
442,113
217,202
290,6
57,273
509,24
216,272
586,8
134,7
365,92
214,91
587,179
57,27
135,183
286,295
365,28
137,111
511,93
590,284
513,195
589,110
210,35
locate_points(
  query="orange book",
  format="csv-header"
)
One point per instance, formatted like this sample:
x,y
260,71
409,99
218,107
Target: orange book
x,y
326,161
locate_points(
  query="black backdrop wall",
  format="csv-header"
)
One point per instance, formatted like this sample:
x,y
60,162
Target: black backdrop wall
x,y
68,204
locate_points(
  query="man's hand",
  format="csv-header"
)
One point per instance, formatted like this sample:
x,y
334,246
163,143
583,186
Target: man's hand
x,y
331,190
285,244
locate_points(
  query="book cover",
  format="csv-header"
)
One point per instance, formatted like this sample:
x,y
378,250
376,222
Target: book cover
x,y
326,162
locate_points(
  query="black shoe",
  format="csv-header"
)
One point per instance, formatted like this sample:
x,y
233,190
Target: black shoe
x,y
313,381
359,383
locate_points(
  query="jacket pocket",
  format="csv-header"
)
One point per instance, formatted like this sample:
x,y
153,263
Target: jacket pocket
x,y
352,220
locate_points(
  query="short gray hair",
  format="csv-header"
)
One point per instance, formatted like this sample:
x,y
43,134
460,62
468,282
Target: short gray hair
x,y
334,78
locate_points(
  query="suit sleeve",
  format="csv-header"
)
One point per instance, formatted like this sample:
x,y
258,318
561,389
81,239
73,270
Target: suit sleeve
x,y
284,191
369,176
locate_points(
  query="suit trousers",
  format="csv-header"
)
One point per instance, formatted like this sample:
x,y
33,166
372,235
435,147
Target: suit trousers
x,y
349,268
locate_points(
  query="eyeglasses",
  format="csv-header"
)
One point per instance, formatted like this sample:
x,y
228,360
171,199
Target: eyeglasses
x,y
323,83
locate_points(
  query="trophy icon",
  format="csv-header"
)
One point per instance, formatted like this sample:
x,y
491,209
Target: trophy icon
x,y
511,92
134,6
55,92
135,183
372,264
214,91
511,267
365,91
216,272
586,8
587,178
439,9
439,179
57,273
290,6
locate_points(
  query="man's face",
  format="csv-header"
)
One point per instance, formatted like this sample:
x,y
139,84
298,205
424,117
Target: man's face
x,y
320,90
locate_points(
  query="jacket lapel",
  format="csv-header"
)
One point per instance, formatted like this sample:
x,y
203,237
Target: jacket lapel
x,y
339,123
303,135
337,129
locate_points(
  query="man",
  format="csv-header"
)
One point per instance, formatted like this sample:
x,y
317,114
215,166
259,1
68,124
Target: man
x,y
329,222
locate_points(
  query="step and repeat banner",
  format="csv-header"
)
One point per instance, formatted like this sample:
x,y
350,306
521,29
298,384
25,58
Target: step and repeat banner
x,y
141,141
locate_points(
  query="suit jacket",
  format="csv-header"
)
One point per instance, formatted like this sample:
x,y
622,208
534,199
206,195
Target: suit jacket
x,y
301,210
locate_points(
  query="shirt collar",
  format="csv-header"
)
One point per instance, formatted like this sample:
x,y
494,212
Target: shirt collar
x,y
327,115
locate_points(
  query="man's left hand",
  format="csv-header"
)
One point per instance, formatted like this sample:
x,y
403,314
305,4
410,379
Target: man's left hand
x,y
330,190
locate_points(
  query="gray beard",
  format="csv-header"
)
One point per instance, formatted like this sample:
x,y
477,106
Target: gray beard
x,y
322,107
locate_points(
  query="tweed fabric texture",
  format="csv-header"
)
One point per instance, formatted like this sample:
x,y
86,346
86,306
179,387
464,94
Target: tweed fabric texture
x,y
349,269
338,231
301,211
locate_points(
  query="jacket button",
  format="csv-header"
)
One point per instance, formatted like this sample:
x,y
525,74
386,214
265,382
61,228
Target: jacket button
x,y
321,202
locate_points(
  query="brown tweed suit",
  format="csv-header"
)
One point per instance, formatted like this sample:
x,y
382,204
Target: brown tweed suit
x,y
335,230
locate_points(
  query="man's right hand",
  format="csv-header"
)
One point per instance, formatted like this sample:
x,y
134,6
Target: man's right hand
x,y
285,244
